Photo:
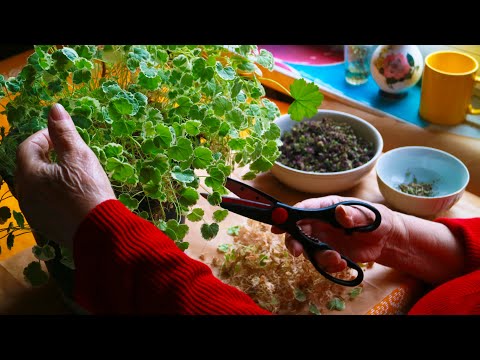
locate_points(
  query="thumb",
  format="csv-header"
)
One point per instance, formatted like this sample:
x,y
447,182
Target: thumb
x,y
349,216
64,135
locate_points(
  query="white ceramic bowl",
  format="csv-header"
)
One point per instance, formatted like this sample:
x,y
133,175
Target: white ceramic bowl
x,y
448,174
333,182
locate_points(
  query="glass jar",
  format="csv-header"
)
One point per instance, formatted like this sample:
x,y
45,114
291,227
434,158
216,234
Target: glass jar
x,y
357,63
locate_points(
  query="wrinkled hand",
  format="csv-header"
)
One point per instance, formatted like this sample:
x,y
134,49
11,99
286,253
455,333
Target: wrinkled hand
x,y
56,197
359,247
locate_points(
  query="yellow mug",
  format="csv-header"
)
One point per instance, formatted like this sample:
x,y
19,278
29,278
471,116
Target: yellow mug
x,y
447,87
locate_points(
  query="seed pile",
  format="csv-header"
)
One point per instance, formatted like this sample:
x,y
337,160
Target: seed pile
x,y
324,146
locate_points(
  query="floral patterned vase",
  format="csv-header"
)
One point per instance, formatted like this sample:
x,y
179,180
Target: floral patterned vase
x,y
396,68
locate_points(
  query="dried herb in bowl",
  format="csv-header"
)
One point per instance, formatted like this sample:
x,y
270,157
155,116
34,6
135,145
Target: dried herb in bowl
x,y
417,188
324,146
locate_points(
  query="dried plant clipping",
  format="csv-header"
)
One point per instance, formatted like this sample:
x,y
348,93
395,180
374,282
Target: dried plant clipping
x,y
259,264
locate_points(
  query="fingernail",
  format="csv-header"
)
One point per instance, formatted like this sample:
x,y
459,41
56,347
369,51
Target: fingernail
x,y
296,251
58,112
345,218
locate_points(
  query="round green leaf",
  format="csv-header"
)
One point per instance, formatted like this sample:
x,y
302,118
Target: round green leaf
x,y
34,274
44,253
182,151
209,231
196,215
186,176
203,157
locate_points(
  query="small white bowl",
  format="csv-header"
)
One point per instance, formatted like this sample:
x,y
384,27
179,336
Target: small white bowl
x,y
332,182
447,173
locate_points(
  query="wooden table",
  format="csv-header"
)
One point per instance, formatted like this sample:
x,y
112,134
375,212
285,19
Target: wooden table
x,y
384,286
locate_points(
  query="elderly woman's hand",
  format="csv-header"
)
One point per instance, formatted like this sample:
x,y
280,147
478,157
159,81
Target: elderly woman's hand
x,y
358,246
56,196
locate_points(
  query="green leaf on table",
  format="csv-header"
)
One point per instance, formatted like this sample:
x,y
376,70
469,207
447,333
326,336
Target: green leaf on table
x,y
5,214
10,240
299,295
186,176
307,100
182,151
226,73
128,201
233,230
314,309
209,231
336,304
265,58
34,274
18,216
196,215
43,253
355,292
220,215
223,248
202,157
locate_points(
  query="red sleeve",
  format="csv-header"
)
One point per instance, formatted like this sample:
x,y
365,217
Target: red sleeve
x,y
125,265
467,230
460,296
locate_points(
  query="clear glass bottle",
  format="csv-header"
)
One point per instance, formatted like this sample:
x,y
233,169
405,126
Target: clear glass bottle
x,y
357,63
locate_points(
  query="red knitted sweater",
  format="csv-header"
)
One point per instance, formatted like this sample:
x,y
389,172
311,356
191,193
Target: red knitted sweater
x,y
125,265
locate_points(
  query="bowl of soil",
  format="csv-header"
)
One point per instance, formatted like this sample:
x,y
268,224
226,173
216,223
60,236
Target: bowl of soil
x,y
420,180
328,153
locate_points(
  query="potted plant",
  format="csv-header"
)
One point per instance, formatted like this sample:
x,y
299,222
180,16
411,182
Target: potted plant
x,y
158,118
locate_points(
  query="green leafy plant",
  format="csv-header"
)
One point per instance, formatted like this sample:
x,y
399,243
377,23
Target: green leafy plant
x,y
159,118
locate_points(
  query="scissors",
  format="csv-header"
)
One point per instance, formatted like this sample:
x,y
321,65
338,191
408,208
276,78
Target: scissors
x,y
257,205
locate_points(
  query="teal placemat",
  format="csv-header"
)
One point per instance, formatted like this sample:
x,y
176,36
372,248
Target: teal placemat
x,y
333,76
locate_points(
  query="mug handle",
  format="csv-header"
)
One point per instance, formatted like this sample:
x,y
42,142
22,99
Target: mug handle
x,y
471,109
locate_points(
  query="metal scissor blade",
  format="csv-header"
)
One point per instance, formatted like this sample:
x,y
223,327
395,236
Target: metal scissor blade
x,y
245,191
251,209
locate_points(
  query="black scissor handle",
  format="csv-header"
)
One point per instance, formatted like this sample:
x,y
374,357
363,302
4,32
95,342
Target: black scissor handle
x,y
312,246
328,214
